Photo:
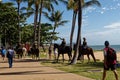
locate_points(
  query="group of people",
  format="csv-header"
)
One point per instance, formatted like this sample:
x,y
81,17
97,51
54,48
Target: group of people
x,y
10,53
109,62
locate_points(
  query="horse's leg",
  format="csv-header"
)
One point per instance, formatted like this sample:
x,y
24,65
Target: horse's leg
x,y
82,58
63,56
58,57
92,54
21,54
70,56
18,55
36,55
79,56
88,58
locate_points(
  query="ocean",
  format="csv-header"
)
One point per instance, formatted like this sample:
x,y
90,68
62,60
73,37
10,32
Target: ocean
x,y
101,47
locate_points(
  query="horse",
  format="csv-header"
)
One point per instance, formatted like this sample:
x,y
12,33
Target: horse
x,y
65,50
34,52
19,52
88,51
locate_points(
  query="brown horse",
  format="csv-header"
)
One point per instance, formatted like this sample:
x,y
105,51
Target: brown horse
x,y
88,51
65,50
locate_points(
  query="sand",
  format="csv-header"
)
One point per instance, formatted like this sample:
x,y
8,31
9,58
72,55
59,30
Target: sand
x,y
99,55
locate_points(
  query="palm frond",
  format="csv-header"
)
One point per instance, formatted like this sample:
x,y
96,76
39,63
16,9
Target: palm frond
x,y
92,2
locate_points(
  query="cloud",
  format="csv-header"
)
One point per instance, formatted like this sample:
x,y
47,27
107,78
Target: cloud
x,y
88,10
113,26
109,32
111,29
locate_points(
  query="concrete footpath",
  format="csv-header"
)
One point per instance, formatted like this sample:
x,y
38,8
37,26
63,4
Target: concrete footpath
x,y
33,70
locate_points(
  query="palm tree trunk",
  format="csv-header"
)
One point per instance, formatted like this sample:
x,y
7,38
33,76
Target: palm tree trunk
x,y
50,47
35,24
73,27
39,24
19,22
78,42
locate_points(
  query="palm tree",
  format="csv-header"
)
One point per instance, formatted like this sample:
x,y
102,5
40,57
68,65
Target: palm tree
x,y
56,18
18,8
36,8
39,5
73,5
79,9
48,4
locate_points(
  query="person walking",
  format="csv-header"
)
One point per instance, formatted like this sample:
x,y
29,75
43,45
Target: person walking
x,y
110,60
10,56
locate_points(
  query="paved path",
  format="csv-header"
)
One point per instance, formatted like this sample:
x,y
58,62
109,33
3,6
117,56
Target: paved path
x,y
33,70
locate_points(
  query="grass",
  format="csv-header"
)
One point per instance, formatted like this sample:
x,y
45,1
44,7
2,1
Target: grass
x,y
91,70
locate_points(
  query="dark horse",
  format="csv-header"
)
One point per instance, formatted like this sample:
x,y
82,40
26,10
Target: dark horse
x,y
19,53
88,51
34,52
63,50
19,50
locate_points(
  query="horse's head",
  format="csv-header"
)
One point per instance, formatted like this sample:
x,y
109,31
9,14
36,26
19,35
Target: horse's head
x,y
56,45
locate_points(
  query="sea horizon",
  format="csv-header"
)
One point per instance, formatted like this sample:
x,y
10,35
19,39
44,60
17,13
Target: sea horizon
x,y
101,47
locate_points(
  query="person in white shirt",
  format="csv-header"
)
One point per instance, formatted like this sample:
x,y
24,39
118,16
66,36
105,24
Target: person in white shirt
x,y
10,55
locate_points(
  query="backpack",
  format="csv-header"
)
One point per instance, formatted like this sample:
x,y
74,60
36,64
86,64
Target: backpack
x,y
8,54
111,55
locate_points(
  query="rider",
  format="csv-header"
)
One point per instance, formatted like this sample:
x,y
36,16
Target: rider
x,y
63,43
18,46
84,43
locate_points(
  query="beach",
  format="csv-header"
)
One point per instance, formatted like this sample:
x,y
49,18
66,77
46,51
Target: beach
x,y
99,55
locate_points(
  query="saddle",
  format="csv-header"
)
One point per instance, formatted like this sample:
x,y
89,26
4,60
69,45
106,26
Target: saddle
x,y
62,47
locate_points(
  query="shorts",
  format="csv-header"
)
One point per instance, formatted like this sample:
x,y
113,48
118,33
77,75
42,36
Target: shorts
x,y
112,67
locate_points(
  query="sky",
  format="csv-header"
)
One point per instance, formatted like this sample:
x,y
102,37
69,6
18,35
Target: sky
x,y
98,24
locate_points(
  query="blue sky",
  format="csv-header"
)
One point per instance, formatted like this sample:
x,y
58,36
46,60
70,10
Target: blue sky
x,y
99,23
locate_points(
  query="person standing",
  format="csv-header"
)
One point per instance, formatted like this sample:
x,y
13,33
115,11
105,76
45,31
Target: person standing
x,y
55,53
24,51
3,52
110,60
10,55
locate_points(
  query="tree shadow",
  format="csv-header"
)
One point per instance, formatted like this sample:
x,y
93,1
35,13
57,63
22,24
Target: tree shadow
x,y
32,73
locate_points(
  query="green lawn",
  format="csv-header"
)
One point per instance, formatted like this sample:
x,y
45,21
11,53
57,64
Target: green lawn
x,y
91,70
